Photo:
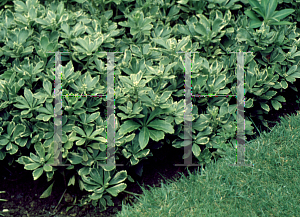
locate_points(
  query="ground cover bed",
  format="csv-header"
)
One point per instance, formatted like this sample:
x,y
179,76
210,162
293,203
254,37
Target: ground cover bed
x,y
270,188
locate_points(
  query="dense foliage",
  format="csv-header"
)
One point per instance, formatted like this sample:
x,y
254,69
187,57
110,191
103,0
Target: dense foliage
x,y
149,78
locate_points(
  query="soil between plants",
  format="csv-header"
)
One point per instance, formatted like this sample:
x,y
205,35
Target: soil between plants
x,y
23,193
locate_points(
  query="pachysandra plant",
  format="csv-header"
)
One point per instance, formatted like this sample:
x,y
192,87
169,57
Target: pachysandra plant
x,y
266,9
39,162
157,133
101,182
208,31
12,140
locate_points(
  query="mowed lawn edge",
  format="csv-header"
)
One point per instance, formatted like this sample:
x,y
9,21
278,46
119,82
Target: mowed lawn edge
x,y
269,188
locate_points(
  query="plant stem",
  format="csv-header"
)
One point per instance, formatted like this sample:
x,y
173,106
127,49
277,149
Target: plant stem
x,y
137,94
159,84
128,192
54,211
117,10
88,62
65,179
103,5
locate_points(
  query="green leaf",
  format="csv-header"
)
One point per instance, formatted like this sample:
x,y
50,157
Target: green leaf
x,y
265,106
12,148
284,84
119,177
47,86
72,181
95,196
281,23
202,140
79,1
38,67
66,28
282,14
32,13
292,77
35,158
48,110
96,176
292,70
47,168
243,35
128,126
60,8
296,54
29,96
196,150
44,117
2,154
156,135
127,24
264,5
125,80
18,131
216,25
142,153
84,171
4,141
80,142
92,117
24,104
40,150
44,41
144,137
161,42
116,189
108,167
182,43
32,166
20,6
133,160
21,82
48,191
169,66
79,131
84,42
200,28
249,103
270,8
255,23
88,130
23,35
276,104
90,82
254,3
74,138
183,2
37,173
161,125
74,158
24,160
165,96
135,49
25,112
251,15
96,132
173,11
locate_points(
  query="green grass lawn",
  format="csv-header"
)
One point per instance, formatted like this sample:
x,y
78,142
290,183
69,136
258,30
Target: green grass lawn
x,y
270,188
